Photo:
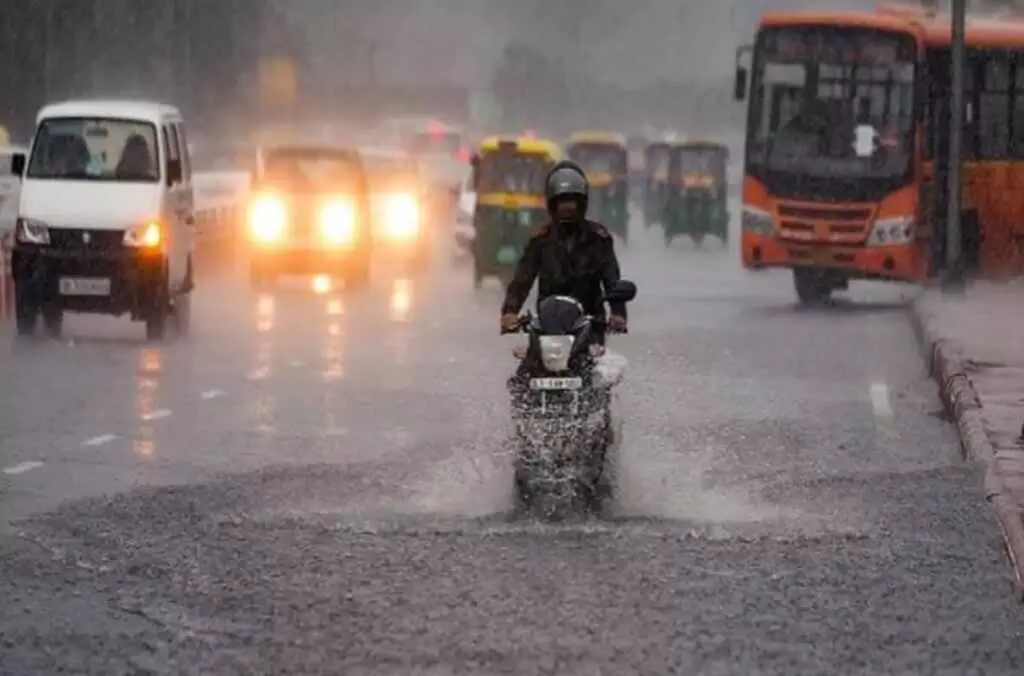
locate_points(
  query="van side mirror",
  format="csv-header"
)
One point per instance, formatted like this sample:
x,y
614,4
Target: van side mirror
x,y
740,84
18,164
174,172
623,291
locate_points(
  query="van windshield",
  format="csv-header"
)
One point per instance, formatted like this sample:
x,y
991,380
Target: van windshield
x,y
95,149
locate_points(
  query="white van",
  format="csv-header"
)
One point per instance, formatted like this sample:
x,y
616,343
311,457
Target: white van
x,y
105,216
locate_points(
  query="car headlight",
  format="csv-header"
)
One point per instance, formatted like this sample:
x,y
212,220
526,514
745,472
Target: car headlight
x,y
149,235
756,221
402,217
888,231
338,221
268,218
29,231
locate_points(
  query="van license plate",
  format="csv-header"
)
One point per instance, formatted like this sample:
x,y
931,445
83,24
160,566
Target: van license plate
x,y
84,286
556,383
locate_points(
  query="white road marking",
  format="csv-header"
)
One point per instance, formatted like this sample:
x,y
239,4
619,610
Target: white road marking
x,y
156,415
22,467
295,363
259,374
880,401
211,394
100,440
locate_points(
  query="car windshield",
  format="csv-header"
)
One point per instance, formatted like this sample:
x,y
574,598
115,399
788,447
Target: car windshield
x,y
599,159
388,174
523,174
832,102
95,149
432,142
223,159
312,169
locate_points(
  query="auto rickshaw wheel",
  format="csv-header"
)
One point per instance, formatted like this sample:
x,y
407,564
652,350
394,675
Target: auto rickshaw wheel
x,y
698,240
812,286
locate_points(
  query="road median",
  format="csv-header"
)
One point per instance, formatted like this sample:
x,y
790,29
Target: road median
x,y
974,350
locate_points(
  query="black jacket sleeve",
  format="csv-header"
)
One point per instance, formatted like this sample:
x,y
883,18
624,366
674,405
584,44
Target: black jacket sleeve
x,y
610,275
522,281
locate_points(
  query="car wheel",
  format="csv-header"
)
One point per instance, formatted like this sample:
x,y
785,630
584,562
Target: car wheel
x,y
359,278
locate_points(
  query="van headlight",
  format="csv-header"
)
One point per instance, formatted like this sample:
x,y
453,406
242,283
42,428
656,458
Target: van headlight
x,y
402,217
149,235
31,231
889,231
756,221
268,219
338,221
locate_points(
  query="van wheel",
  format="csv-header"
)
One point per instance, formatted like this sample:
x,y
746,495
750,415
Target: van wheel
x,y
26,313
53,321
156,322
156,325
182,314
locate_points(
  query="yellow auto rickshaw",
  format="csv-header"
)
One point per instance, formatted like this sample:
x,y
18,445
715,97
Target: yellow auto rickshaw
x,y
697,202
604,156
509,176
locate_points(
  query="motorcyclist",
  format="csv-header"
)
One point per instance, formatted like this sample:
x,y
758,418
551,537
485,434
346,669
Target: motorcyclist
x,y
569,256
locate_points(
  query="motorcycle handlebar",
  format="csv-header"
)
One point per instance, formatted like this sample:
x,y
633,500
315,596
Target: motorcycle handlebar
x,y
526,318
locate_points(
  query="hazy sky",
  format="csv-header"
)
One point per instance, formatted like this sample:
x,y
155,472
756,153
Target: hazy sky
x,y
627,42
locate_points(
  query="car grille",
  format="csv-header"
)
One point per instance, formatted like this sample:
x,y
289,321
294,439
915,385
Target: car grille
x,y
86,240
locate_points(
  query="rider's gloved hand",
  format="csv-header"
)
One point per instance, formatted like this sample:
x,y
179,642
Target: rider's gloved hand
x,y
509,322
617,324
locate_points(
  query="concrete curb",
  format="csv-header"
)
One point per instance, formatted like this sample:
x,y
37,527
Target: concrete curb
x,y
961,400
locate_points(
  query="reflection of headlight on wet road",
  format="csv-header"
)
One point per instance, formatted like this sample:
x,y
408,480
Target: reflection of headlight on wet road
x,y
401,217
268,218
338,222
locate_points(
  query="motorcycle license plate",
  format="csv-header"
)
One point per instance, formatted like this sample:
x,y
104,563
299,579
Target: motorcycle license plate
x,y
556,383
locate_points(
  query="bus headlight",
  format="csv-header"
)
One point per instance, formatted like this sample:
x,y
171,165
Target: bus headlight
x,y
756,221
890,231
338,221
268,219
402,217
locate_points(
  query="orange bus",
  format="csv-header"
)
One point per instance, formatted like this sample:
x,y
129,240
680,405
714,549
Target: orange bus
x,y
846,133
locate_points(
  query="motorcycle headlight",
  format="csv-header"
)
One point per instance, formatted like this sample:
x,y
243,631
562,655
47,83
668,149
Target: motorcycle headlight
x,y
268,218
402,217
756,221
338,221
555,352
889,231
149,235
30,231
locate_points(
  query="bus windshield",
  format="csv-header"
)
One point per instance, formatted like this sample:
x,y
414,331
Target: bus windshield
x,y
832,102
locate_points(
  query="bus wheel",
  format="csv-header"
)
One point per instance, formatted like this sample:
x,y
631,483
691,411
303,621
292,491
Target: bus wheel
x,y
812,287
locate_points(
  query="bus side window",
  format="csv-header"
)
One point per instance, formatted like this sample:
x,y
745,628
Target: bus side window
x,y
1017,106
993,116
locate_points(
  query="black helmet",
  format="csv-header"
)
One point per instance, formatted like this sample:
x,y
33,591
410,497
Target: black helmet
x,y
566,179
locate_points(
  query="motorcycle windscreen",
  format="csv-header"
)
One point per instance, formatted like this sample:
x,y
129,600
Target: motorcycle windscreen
x,y
559,315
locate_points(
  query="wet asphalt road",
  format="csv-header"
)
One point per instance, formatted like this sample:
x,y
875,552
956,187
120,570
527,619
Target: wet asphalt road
x,y
315,483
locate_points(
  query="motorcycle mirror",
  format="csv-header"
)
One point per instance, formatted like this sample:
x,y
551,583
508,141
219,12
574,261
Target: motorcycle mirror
x,y
622,291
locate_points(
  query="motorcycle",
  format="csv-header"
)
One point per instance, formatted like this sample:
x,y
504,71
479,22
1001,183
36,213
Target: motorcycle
x,y
561,407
